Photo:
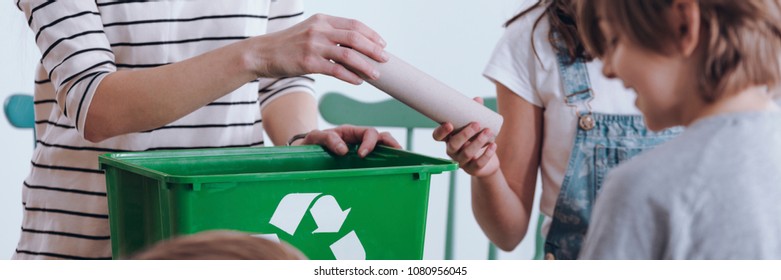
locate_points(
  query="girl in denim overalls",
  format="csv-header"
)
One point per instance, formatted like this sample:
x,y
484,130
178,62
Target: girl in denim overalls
x,y
562,117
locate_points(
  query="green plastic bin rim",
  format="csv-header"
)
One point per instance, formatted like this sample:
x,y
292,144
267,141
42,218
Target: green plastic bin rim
x,y
129,161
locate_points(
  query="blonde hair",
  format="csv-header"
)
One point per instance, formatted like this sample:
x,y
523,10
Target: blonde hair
x,y
741,39
220,245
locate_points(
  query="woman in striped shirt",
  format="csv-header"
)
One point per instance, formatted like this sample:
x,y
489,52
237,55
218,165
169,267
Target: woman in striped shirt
x,y
149,75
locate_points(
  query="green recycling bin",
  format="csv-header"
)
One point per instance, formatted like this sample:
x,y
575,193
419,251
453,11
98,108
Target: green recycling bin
x,y
327,206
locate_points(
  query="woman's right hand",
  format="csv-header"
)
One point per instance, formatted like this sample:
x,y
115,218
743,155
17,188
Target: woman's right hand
x,y
472,147
320,44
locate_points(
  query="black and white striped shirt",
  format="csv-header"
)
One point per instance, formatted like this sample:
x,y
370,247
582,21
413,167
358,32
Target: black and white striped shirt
x,y
81,41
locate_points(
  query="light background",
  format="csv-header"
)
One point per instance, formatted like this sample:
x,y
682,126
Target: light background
x,y
448,39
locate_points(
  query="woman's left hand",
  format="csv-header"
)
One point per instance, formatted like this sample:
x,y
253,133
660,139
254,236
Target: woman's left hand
x,y
336,139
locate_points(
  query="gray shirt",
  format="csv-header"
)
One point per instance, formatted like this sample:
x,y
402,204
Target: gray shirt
x,y
714,192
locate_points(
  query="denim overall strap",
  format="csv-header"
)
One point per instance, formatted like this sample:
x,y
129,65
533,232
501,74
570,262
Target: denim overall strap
x,y
574,78
599,146
576,83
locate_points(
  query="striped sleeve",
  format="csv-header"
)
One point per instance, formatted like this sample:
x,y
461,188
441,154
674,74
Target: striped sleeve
x,y
280,87
74,51
284,14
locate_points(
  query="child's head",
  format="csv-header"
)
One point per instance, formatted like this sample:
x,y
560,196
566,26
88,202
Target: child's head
x,y
220,245
668,49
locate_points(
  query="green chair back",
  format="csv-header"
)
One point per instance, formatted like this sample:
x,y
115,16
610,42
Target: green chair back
x,y
19,109
539,240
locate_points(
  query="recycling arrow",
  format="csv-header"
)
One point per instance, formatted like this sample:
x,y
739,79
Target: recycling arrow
x,y
295,206
345,248
328,215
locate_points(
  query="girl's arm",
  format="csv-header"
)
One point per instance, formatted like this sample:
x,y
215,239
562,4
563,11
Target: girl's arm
x,y
502,203
504,176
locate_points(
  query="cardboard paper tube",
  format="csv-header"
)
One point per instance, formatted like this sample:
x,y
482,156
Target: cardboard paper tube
x,y
431,97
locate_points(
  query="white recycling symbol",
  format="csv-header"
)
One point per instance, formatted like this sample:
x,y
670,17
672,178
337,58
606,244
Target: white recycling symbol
x,y
328,216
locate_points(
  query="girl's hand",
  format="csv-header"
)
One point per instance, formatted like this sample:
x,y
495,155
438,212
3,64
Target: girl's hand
x,y
472,147
336,139
321,44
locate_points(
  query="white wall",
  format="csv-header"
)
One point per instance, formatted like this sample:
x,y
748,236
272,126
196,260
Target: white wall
x,y
449,39
18,56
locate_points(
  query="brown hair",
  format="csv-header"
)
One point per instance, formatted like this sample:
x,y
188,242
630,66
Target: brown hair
x,y
560,14
740,39
220,245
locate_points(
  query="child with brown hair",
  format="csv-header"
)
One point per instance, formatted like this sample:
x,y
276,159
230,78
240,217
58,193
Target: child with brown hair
x,y
713,192
220,245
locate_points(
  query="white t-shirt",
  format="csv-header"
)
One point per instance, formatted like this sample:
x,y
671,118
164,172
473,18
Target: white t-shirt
x,y
64,196
537,81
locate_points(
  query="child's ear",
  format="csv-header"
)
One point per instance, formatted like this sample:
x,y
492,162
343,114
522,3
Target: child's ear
x,y
684,18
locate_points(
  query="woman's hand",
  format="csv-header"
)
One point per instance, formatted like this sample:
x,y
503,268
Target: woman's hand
x,y
321,44
472,147
336,139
